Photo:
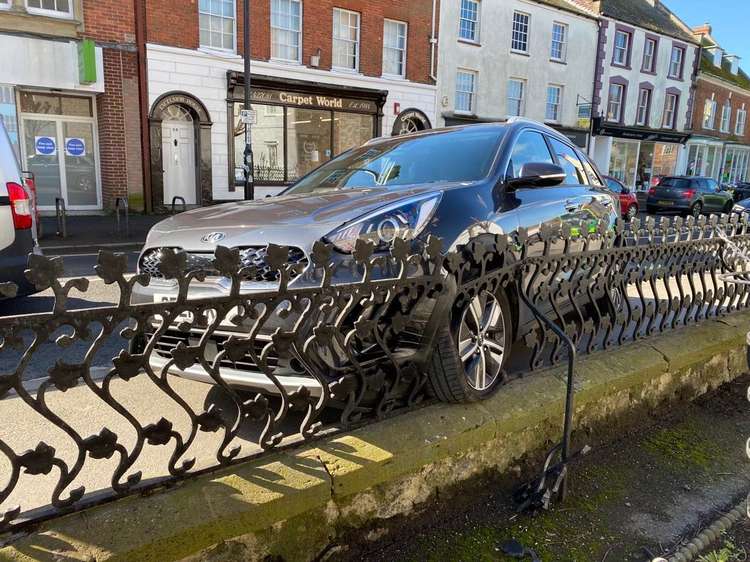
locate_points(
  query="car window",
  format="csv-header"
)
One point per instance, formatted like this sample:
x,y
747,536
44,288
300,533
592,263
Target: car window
x,y
457,155
568,159
680,183
529,147
591,173
712,185
614,185
700,185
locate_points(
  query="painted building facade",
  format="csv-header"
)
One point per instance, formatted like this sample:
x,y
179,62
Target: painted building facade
x,y
517,58
325,77
646,63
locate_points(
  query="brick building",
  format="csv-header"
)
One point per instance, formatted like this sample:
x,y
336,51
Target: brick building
x,y
325,77
720,143
69,98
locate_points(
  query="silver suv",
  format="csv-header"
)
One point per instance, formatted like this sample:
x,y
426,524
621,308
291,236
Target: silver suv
x,y
17,222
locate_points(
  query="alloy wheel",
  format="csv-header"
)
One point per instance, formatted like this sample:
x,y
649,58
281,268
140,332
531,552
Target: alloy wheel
x,y
481,341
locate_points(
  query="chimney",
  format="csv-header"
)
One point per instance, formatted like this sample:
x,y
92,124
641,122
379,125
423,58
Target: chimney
x,y
704,29
734,63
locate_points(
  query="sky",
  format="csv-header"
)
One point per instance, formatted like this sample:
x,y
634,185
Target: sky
x,y
728,18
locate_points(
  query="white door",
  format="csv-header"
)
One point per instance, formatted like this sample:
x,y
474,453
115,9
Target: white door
x,y
178,156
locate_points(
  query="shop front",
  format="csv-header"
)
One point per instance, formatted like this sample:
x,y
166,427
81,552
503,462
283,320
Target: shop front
x,y
735,164
298,126
638,157
704,158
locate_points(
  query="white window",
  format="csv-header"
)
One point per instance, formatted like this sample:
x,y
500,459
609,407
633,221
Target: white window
x,y
466,84
59,8
468,21
4,4
216,24
670,111
649,55
345,39
739,127
675,62
709,114
726,117
554,99
515,97
622,46
520,37
559,47
644,102
286,30
394,48
614,107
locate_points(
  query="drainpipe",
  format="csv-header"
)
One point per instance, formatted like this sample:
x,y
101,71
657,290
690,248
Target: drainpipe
x,y
140,39
433,42
597,77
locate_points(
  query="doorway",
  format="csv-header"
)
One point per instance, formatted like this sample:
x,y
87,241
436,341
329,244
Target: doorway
x,y
178,153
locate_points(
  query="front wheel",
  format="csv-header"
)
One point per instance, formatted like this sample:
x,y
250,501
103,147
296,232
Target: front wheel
x,y
472,351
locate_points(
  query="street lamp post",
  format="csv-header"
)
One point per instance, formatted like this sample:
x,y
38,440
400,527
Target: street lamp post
x,y
248,153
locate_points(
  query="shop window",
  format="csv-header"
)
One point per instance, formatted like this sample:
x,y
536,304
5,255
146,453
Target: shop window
x,y
468,27
286,30
466,81
216,24
516,91
51,7
345,39
394,48
51,104
350,130
520,36
308,141
559,46
622,161
268,140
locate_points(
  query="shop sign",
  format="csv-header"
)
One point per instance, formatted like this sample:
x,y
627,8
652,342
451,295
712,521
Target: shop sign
x,y
603,128
315,101
45,146
75,146
410,121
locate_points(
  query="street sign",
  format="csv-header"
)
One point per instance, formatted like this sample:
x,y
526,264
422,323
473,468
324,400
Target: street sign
x,y
248,116
45,146
75,146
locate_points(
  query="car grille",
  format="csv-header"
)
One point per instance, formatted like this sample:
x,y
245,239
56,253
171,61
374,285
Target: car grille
x,y
172,337
251,256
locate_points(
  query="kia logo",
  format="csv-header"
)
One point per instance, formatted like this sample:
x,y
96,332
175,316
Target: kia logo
x,y
213,237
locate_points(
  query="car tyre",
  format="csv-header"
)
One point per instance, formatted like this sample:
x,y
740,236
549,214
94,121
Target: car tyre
x,y
469,359
697,209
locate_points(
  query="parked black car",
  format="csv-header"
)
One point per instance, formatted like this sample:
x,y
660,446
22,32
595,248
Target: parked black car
x,y
688,195
457,184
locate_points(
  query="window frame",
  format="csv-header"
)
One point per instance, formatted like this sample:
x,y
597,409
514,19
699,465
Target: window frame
x,y
559,106
521,101
712,114
513,32
5,4
673,122
653,40
563,43
477,22
628,48
621,103
473,94
646,109
737,129
69,15
358,42
404,50
677,49
725,124
301,27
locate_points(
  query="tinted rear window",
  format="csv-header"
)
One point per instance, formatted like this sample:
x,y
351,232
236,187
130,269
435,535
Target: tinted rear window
x,y
679,183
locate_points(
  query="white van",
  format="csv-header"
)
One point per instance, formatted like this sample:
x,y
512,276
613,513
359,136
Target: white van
x,y
17,221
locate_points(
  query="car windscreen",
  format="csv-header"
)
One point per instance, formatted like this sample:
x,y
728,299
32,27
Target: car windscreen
x,y
680,183
463,155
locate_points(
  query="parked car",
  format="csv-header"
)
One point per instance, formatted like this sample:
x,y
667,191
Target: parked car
x,y
742,206
17,222
444,183
740,191
628,199
688,195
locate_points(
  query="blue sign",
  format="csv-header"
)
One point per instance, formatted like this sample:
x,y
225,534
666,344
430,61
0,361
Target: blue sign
x,y
45,146
75,146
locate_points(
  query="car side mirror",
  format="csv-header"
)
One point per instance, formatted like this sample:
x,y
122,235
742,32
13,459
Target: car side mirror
x,y
538,174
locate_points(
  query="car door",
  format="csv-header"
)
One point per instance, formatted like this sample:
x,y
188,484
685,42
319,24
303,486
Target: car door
x,y
536,207
719,198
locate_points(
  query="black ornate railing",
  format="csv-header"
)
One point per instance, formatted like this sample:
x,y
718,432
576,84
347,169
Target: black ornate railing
x,y
80,426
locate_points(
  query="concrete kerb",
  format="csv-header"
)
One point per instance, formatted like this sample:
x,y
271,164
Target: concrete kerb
x,y
293,502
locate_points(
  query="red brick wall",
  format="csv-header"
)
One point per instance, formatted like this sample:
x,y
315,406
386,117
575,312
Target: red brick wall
x,y
703,92
109,20
175,23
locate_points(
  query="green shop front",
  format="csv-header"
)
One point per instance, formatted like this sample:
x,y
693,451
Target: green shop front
x,y
298,126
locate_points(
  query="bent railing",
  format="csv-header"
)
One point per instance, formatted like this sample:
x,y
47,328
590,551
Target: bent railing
x,y
103,400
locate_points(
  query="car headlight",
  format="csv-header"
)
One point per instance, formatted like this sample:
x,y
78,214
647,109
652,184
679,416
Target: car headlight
x,y
739,209
405,219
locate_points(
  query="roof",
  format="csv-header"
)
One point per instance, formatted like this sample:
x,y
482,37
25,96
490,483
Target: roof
x,y
741,79
572,6
654,16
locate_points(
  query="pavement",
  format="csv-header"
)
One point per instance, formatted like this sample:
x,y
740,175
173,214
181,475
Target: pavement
x,y
92,232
